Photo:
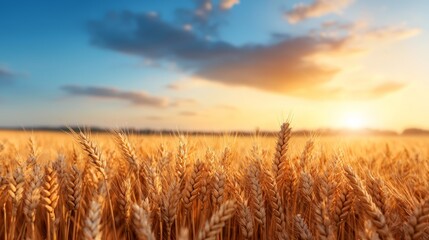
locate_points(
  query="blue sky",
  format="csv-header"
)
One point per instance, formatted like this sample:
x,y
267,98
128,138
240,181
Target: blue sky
x,y
202,65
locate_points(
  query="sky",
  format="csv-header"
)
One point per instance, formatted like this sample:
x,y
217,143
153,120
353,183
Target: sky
x,y
214,64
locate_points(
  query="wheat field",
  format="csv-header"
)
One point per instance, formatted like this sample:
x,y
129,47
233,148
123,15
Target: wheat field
x,y
126,186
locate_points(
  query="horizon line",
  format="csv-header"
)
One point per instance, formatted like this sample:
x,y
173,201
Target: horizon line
x,y
257,131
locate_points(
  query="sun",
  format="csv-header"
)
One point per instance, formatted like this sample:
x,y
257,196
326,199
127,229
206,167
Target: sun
x,y
354,121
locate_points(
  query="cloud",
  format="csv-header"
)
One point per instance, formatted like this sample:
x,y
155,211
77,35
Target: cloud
x,y
181,102
204,18
136,98
391,33
187,113
173,86
359,31
279,67
317,8
228,4
341,93
6,76
154,118
149,36
356,39
385,88
344,26
290,65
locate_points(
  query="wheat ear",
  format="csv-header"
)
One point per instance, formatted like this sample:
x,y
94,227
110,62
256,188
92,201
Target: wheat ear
x,y
16,188
307,186
93,153
192,188
342,206
170,205
74,188
142,225
322,221
277,207
368,205
257,201
127,150
32,197
302,228
215,224
218,188
418,222
245,219
375,189
280,153
92,224
181,159
50,192
124,200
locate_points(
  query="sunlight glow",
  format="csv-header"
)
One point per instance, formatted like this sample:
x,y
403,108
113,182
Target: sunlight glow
x,y
354,121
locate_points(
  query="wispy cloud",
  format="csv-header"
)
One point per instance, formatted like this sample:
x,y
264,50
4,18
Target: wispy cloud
x,y
389,34
290,65
173,86
187,113
6,76
228,4
135,98
181,102
385,88
206,17
341,93
317,8
154,118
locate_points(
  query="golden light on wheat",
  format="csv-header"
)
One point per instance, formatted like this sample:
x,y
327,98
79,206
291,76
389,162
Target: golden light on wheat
x,y
126,186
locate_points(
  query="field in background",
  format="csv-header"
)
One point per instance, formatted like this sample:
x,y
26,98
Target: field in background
x,y
125,186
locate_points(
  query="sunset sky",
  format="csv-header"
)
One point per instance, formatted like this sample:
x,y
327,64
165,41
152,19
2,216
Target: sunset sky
x,y
215,65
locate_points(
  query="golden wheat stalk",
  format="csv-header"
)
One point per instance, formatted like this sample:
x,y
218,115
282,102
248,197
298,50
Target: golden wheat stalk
x,y
50,192
74,188
142,225
192,188
277,207
124,200
257,200
322,220
418,222
127,150
377,217
170,206
302,228
16,188
369,232
93,153
342,206
307,186
215,224
32,197
245,219
378,194
218,188
280,152
92,224
31,201
181,159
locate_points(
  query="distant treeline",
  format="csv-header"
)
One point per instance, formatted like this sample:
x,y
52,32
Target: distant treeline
x,y
318,132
